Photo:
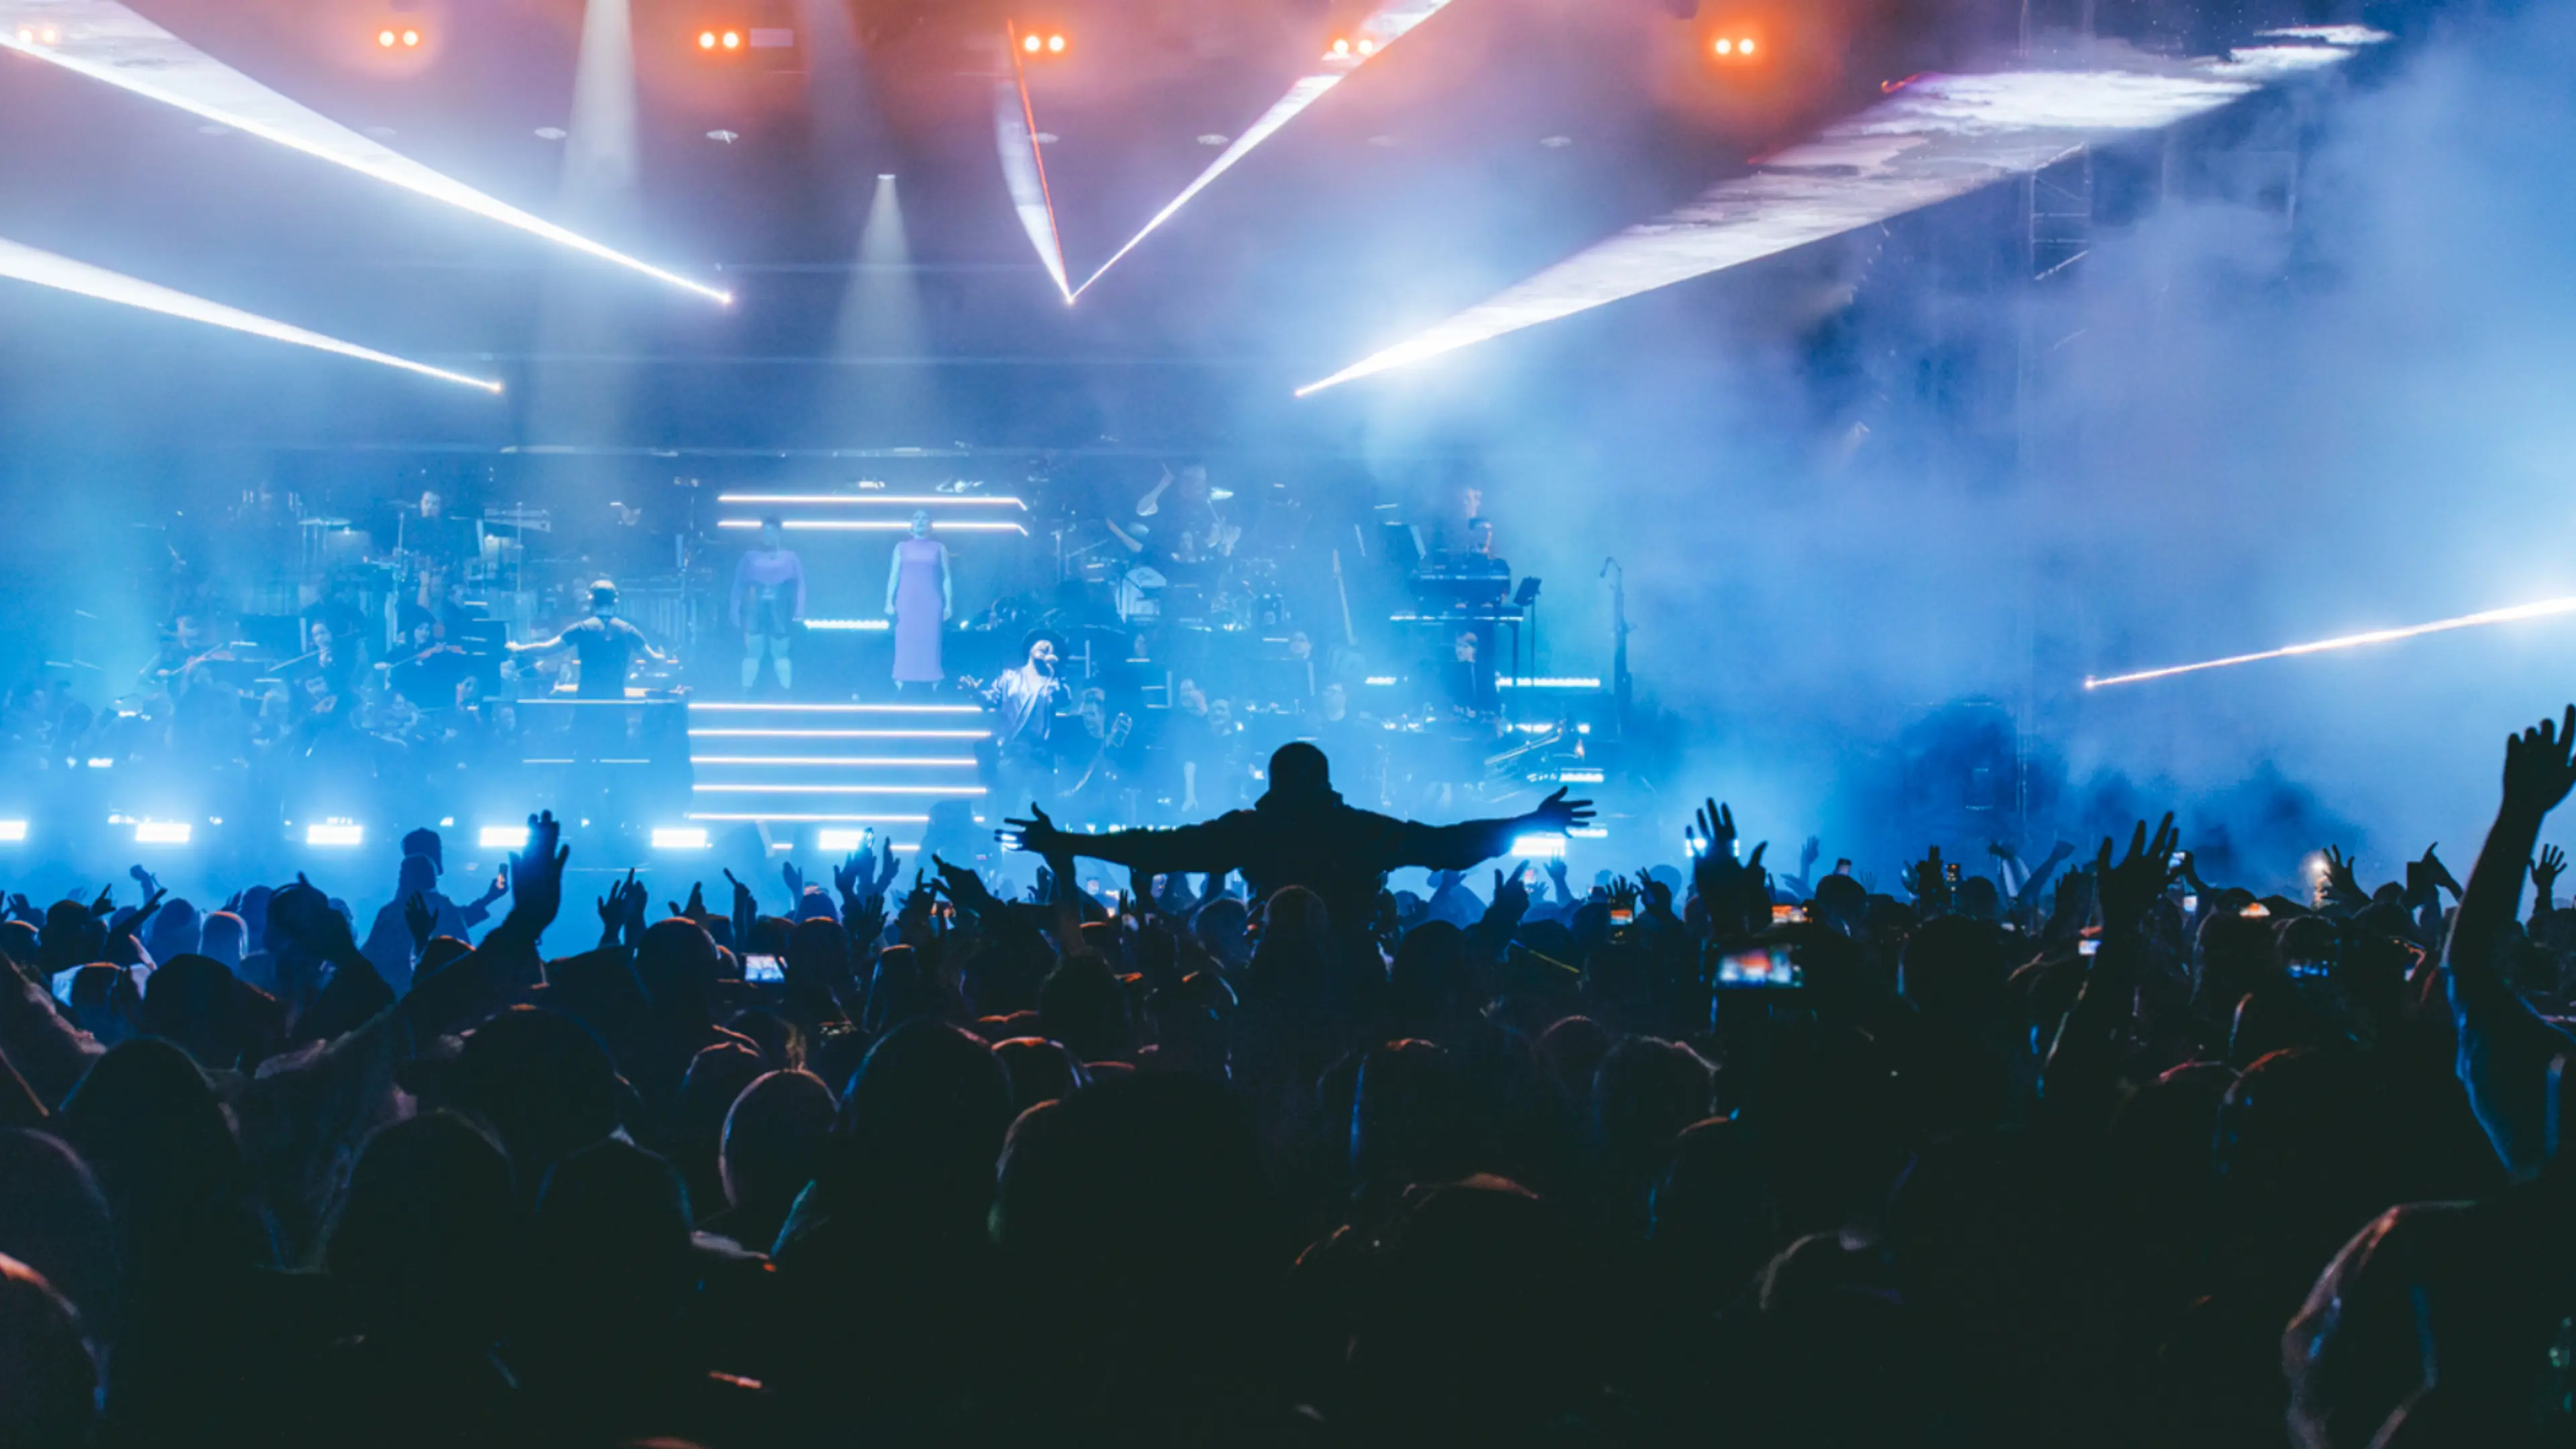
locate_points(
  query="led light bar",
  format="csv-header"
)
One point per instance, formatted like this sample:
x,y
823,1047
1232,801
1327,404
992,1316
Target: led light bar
x,y
107,41
1936,138
1548,682
850,626
878,500
840,734
728,706
163,832
2544,609
838,789
27,264
1369,39
1537,847
679,837
12,832
502,837
813,819
877,525
839,762
334,833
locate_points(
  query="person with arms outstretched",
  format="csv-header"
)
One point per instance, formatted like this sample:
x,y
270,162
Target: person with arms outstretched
x,y
1302,834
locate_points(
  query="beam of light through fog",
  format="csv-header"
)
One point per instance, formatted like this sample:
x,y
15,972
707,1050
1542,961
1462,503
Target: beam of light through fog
x,y
1015,126
600,149
1384,27
27,264
108,42
1939,138
2544,609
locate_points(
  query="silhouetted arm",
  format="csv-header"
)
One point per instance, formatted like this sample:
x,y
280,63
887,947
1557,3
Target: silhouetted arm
x,y
2505,1048
1211,848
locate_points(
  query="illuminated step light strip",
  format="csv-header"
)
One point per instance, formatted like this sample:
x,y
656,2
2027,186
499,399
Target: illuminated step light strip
x,y
502,837
960,790
12,832
336,833
844,762
163,832
813,819
716,706
679,837
1369,39
875,500
840,734
108,42
27,264
1548,682
1940,137
878,525
850,626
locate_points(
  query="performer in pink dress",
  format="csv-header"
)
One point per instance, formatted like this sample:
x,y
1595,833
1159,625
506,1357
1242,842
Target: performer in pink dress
x,y
919,601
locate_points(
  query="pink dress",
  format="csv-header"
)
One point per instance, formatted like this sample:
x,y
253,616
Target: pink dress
x,y
917,605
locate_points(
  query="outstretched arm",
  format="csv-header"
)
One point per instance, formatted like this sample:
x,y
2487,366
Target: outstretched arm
x,y
1473,842
1207,848
2506,1050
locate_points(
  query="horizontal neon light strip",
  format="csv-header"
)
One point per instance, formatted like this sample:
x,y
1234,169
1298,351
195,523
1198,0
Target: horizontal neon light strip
x,y
793,789
850,625
850,762
878,500
718,705
27,264
874,525
812,819
110,42
1567,682
840,734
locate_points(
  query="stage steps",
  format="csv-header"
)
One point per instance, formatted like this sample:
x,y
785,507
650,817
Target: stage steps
x,y
805,770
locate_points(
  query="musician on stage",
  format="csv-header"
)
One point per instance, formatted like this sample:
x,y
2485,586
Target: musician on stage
x,y
919,599
768,602
605,645
1024,702
1188,518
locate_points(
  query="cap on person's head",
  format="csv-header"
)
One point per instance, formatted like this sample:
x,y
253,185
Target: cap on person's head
x,y
425,841
1035,637
1298,768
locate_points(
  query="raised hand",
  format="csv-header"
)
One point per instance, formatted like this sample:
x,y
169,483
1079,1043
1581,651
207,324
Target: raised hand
x,y
232,903
856,872
105,905
1623,895
1659,896
2133,884
1808,854
420,920
2540,766
1558,813
499,887
2342,887
746,910
2551,864
1037,834
1511,893
795,879
696,909
536,873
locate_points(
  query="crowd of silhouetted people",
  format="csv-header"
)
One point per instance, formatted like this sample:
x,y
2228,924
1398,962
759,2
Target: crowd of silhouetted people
x,y
2091,1151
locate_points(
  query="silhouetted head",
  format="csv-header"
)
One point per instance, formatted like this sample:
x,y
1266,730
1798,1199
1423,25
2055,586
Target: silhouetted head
x,y
1299,771
542,1083
48,1381
424,1234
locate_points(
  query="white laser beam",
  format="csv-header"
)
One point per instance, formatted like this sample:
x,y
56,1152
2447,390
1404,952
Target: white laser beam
x,y
108,42
44,269
1388,24
1015,126
2545,608
1934,139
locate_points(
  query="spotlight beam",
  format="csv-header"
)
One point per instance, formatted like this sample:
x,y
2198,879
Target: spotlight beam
x,y
44,269
1388,24
1934,139
2544,609
107,42
1015,134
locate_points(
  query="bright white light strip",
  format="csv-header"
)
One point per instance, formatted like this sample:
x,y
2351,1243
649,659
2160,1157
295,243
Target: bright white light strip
x,y
163,832
1589,832
27,264
838,789
2546,608
1935,139
815,819
1388,24
851,762
334,833
716,706
1537,847
502,837
679,837
842,840
877,525
1578,777
1548,682
877,500
108,42
840,734
12,831
1015,124
849,626
1379,679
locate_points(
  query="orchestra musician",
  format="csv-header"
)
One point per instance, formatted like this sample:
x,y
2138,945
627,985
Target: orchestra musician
x,y
768,603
